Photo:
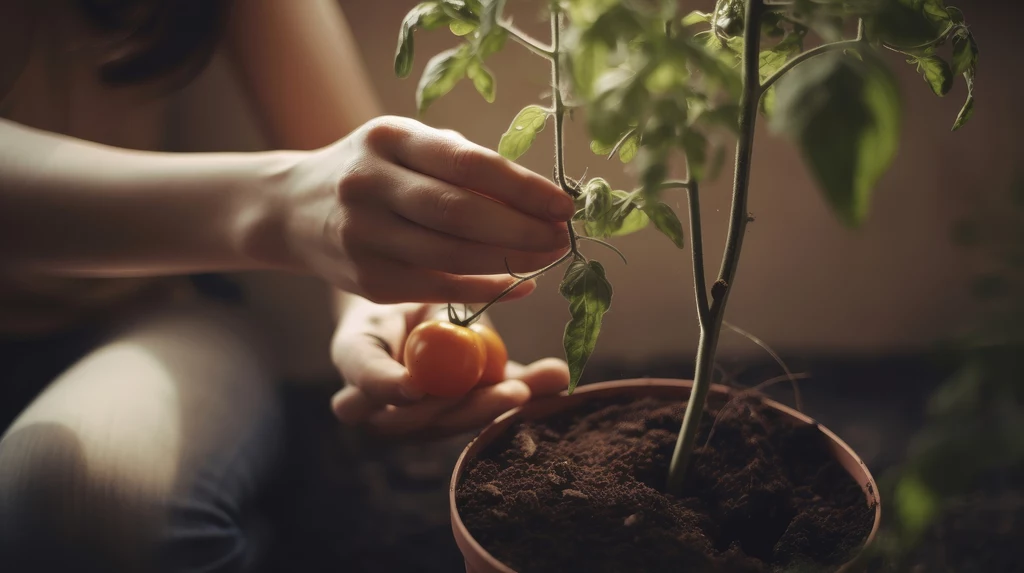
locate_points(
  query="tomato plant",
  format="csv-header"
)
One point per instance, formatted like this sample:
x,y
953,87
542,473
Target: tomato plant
x,y
657,85
444,359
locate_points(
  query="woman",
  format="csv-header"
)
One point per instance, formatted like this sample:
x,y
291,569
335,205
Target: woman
x,y
144,419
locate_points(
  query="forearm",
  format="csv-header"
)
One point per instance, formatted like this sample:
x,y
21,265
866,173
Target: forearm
x,y
76,208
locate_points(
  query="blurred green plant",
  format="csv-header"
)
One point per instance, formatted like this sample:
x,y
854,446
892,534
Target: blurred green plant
x,y
656,84
975,419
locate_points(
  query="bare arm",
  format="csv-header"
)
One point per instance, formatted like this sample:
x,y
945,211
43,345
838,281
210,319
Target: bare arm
x,y
72,207
301,66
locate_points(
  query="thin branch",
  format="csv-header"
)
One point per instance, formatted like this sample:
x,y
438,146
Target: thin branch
x,y
556,96
678,184
798,400
515,285
527,41
845,44
700,284
606,244
620,143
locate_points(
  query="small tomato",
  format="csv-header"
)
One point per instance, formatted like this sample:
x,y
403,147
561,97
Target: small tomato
x,y
444,359
497,354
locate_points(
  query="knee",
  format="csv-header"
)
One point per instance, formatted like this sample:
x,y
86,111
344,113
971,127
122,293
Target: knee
x,y
54,516
57,515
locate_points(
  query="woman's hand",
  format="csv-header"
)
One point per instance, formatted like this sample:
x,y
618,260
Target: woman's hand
x,y
378,394
399,211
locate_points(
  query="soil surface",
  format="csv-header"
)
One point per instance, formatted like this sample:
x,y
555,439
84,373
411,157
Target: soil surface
x,y
584,491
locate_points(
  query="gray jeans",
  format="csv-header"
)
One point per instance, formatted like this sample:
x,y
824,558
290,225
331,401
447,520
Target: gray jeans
x,y
145,453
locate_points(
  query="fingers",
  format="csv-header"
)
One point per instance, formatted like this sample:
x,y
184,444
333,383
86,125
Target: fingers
x,y
465,164
365,363
544,377
445,417
384,281
454,211
410,243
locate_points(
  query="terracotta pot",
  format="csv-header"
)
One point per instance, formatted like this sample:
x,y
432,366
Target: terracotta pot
x,y
478,560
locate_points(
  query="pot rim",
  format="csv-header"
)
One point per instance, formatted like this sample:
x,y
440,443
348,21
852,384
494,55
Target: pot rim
x,y
870,488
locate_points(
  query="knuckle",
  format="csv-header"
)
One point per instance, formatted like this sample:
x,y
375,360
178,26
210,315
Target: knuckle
x,y
449,208
463,161
383,133
359,179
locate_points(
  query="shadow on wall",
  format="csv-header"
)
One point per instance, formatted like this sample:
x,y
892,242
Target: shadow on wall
x,y
806,284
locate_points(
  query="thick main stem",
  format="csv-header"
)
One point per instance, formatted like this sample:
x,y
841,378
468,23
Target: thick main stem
x,y
708,343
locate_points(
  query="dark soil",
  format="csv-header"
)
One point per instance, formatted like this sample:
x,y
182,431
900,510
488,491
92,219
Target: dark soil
x,y
584,491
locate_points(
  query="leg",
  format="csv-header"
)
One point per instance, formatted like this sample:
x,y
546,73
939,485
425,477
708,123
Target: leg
x,y
147,450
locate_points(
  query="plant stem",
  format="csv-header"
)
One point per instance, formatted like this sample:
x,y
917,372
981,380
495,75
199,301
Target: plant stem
x,y
810,54
700,285
559,105
527,41
710,332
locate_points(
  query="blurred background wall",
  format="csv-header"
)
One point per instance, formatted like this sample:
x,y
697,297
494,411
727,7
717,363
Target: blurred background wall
x,y
806,285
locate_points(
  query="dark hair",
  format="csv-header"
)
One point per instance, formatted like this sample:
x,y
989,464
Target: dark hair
x,y
156,39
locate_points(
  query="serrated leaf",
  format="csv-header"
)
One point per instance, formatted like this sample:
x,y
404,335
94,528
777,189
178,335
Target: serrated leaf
x,y
440,75
426,15
845,117
523,130
629,147
695,17
482,79
937,73
461,28
590,296
666,221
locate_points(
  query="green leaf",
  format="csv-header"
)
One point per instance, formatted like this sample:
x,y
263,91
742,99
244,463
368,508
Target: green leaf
x,y
937,73
590,296
772,61
845,116
611,213
461,28
965,113
903,24
492,43
426,15
490,37
524,129
440,75
482,79
599,148
965,52
628,149
666,221
465,11
916,505
695,17
935,11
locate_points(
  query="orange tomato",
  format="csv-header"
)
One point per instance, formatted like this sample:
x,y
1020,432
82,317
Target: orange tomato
x,y
444,359
497,354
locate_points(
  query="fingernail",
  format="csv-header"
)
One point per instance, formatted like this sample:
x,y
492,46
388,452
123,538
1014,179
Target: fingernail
x,y
561,208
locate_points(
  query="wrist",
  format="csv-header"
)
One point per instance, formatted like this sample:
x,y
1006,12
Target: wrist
x,y
259,220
